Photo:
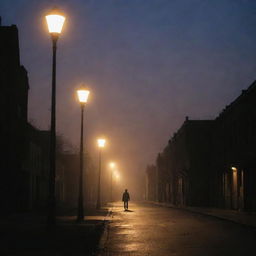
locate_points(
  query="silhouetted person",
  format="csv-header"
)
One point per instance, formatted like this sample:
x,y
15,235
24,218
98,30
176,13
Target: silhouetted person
x,y
126,198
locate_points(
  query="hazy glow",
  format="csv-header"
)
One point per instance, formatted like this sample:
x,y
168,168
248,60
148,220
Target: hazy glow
x,y
101,143
125,88
234,169
117,175
83,95
112,165
55,23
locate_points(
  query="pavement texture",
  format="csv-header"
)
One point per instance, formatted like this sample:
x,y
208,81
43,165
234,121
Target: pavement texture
x,y
26,234
148,229
241,217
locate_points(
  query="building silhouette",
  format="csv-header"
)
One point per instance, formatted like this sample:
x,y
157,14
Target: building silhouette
x,y
151,186
13,122
235,152
24,158
211,162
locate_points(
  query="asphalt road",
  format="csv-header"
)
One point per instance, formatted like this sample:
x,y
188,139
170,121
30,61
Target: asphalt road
x,y
152,230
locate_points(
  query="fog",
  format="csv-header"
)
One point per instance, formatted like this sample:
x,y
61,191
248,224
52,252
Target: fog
x,y
147,63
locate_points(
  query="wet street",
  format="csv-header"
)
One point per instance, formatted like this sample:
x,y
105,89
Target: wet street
x,y
152,230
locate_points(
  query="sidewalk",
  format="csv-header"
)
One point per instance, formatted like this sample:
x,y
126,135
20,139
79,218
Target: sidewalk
x,y
26,234
244,218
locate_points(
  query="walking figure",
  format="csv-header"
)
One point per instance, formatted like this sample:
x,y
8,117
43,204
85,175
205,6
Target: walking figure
x,y
126,198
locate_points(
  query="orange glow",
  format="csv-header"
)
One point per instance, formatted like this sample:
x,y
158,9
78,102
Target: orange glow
x,y
112,165
116,175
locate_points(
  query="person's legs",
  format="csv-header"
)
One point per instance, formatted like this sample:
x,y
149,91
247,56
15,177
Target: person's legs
x,y
127,205
124,205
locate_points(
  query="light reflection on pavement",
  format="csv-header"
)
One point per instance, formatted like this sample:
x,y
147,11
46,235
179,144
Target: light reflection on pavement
x,y
151,230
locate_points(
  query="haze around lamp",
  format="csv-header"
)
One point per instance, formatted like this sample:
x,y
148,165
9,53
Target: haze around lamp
x,y
112,165
117,176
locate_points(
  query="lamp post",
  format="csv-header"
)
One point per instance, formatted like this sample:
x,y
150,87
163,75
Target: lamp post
x,y
55,23
101,144
82,95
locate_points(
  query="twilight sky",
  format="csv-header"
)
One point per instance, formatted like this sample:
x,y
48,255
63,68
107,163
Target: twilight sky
x,y
148,63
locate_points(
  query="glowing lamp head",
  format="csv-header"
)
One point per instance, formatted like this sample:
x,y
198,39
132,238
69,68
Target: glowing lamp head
x,y
83,95
55,21
101,143
234,168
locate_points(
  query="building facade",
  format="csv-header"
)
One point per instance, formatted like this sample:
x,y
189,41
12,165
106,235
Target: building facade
x,y
13,123
151,186
212,163
71,180
182,166
235,152
24,158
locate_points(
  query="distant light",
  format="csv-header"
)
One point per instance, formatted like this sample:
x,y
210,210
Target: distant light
x,y
101,143
83,95
234,169
112,165
117,176
55,21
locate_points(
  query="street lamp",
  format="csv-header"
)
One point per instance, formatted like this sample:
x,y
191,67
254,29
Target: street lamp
x,y
101,144
55,23
82,95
